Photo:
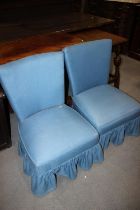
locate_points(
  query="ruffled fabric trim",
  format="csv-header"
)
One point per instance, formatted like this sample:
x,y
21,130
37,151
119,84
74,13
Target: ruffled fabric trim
x,y
117,135
43,181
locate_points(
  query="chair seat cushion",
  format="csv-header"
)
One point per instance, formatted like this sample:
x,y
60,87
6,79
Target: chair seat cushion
x,y
55,135
106,107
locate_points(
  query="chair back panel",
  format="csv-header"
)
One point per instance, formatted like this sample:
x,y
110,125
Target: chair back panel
x,y
34,83
88,64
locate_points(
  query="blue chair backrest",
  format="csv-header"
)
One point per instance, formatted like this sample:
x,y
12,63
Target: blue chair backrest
x,y
34,83
88,64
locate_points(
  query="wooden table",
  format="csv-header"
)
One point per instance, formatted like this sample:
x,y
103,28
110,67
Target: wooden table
x,y
42,43
16,49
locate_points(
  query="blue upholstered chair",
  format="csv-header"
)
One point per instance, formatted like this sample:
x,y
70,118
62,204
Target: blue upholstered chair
x,y
112,112
54,138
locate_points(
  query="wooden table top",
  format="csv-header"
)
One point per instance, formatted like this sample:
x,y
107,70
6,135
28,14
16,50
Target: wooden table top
x,y
12,50
75,21
95,34
18,40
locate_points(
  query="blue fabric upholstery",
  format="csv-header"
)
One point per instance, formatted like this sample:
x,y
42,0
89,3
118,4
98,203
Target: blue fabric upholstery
x,y
28,90
42,136
54,138
88,64
56,144
111,108
112,112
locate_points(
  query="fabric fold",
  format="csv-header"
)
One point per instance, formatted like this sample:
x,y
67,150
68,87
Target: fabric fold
x,y
43,181
117,135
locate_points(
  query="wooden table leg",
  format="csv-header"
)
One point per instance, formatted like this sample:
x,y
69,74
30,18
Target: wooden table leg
x,y
117,63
